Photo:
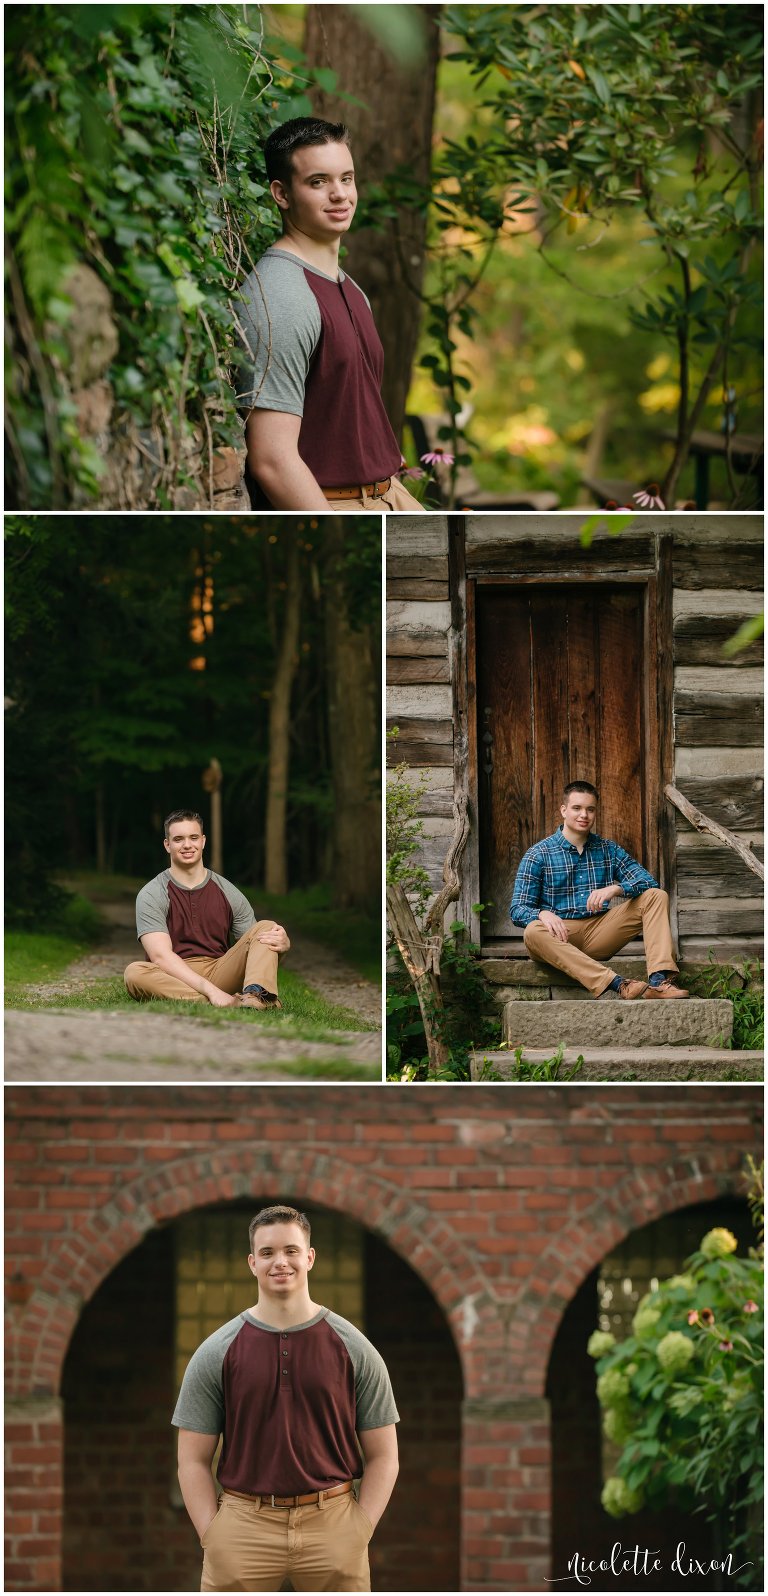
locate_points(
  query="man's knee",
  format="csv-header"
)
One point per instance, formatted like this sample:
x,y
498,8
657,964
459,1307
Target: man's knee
x,y
533,933
654,895
133,977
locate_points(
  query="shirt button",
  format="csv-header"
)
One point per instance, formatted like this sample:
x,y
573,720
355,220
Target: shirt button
x,y
284,1371
285,1353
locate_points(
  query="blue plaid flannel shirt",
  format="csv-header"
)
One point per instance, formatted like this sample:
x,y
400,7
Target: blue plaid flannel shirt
x,y
554,875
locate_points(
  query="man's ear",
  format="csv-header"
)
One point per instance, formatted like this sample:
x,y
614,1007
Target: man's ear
x,y
563,808
310,1257
166,845
279,194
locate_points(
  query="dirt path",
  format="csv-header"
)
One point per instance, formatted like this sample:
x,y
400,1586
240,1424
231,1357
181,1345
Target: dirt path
x,y
119,1045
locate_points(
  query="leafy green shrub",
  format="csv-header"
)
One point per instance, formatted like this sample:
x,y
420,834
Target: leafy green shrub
x,y
133,145
744,989
683,1394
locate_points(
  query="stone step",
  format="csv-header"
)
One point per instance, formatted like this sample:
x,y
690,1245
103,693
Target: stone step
x,y
627,1064
532,975
646,1022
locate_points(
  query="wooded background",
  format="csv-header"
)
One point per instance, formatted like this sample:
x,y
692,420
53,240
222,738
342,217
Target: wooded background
x,y
140,648
559,232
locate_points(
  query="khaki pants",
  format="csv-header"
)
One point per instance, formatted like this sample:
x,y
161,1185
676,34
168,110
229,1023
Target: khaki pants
x,y
397,498
252,1546
603,934
249,960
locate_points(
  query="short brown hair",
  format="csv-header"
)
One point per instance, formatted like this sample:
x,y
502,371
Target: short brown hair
x,y
182,814
296,135
580,786
279,1215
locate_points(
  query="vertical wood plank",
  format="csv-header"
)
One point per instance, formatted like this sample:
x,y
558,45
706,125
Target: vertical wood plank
x,y
504,743
582,686
662,664
620,699
549,662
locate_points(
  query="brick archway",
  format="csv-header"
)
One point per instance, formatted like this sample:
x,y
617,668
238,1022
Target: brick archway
x,y
426,1244
635,1200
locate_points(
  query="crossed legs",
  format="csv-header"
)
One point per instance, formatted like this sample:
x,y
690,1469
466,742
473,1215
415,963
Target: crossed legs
x,y
248,961
595,939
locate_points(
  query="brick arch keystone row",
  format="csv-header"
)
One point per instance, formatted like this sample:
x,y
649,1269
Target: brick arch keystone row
x,y
87,1256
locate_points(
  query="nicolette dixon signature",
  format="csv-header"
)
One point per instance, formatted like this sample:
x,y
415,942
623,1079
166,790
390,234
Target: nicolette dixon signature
x,y
640,1560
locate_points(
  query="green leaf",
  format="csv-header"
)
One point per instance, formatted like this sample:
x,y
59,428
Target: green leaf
x,y
188,294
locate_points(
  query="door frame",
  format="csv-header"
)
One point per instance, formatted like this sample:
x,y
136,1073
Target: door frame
x,y
654,575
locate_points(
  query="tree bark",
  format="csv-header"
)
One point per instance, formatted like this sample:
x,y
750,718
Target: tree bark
x,y
417,952
393,128
352,656
276,857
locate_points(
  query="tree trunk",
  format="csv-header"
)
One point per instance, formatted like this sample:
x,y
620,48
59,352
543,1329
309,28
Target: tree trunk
x,y
353,737
393,128
416,952
276,861
101,830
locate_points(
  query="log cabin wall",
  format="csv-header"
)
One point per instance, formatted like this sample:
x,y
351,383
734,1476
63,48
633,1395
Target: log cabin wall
x,y
704,577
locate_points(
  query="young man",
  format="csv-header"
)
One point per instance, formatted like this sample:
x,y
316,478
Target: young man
x,y
200,935
316,431
298,1394
581,899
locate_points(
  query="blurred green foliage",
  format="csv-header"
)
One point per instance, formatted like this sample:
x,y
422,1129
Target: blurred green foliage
x,y
133,138
139,647
593,235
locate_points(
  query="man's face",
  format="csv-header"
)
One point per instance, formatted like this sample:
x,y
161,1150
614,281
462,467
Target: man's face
x,y
579,811
281,1259
185,843
321,197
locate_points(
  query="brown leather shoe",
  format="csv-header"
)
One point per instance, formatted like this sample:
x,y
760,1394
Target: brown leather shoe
x,y
666,990
251,1000
632,989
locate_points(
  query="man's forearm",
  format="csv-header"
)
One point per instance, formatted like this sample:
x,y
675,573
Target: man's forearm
x,y
199,1493
288,484
377,1485
173,965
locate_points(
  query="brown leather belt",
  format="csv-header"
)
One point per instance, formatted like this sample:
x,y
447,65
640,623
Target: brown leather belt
x,y
295,1501
374,489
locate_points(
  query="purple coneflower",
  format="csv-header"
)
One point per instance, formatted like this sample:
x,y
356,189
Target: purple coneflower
x,y
411,471
650,498
437,456
751,1307
725,1346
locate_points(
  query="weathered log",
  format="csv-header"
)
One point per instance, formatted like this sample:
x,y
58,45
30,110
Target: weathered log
x,y
701,823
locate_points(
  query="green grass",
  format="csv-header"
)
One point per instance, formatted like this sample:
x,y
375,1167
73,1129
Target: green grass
x,y
42,955
305,1013
357,937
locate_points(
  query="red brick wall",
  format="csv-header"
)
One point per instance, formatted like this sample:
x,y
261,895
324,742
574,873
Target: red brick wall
x,y
502,1200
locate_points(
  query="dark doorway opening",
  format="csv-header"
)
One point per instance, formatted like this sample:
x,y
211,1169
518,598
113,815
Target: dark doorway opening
x,y
125,1528
561,695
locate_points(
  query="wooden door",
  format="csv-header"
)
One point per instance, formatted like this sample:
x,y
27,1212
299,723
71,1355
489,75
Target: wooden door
x,y
560,697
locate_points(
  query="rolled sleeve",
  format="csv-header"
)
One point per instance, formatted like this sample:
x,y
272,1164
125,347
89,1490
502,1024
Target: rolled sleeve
x,y
630,876
527,895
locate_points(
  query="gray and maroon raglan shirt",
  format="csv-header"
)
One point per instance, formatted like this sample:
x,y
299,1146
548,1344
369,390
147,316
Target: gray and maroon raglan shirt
x,y
313,351
202,922
288,1403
